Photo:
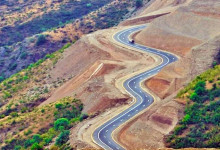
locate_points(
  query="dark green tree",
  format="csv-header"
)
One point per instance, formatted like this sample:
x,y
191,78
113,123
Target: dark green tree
x,y
61,122
62,138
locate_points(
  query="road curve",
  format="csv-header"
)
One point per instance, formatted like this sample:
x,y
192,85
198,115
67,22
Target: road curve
x,y
103,134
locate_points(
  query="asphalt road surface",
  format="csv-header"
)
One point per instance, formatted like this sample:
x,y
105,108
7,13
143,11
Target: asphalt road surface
x,y
103,134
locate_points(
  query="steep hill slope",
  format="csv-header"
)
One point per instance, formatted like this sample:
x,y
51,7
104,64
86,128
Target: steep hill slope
x,y
43,27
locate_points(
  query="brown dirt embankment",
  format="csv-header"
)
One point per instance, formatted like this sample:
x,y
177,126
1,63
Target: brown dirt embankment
x,y
92,66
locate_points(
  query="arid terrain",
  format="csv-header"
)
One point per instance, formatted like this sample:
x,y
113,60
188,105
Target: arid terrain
x,y
85,77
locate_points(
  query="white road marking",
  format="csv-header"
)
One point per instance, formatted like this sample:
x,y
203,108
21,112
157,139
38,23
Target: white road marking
x,y
129,115
144,105
135,87
105,137
106,131
136,110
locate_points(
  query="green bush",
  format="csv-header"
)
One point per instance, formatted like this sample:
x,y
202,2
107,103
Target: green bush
x,y
23,55
59,106
36,146
28,143
194,97
200,90
6,94
14,114
37,138
82,117
61,122
17,147
62,138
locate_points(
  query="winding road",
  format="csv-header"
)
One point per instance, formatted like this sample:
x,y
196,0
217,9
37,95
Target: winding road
x,y
103,134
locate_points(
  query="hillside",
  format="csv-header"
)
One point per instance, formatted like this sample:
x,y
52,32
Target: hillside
x,y
201,124
62,73
31,29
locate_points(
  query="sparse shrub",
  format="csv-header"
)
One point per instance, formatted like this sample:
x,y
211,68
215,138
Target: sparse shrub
x,y
6,94
14,114
42,110
139,3
29,131
2,116
24,109
82,117
211,80
12,66
1,78
25,78
214,64
23,55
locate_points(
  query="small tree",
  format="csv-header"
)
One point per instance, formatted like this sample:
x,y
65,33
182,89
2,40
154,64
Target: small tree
x,y
37,138
36,146
63,138
194,97
200,90
61,122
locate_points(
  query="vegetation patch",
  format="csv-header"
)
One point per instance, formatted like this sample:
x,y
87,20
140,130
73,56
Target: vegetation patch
x,y
201,124
58,117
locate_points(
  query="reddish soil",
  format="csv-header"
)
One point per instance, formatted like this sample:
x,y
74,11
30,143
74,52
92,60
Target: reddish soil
x,y
158,85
